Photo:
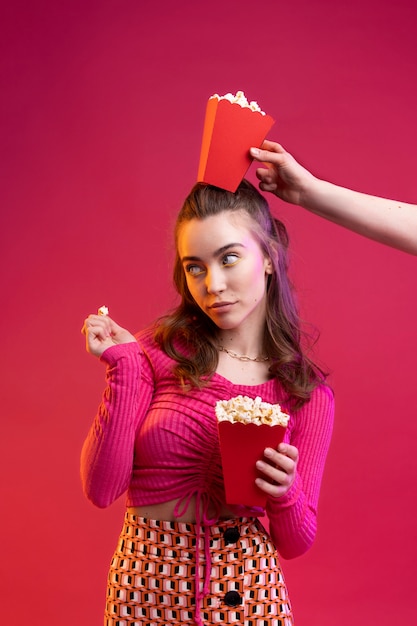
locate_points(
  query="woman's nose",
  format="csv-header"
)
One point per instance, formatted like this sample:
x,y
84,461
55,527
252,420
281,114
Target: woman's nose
x,y
215,282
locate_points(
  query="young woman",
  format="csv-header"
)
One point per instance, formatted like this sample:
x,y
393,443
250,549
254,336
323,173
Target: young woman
x,y
391,222
185,554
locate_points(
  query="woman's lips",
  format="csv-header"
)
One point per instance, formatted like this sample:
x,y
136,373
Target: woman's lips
x,y
221,306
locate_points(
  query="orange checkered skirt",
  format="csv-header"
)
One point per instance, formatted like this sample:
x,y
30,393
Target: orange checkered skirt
x,y
153,575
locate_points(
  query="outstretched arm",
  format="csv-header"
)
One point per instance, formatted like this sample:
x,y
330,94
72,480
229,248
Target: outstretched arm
x,y
390,222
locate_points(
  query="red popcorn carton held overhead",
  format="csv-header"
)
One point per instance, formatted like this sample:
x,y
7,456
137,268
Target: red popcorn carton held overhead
x,y
242,443
232,125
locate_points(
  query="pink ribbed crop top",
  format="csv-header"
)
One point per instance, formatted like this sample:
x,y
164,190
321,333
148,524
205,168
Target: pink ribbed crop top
x,y
157,443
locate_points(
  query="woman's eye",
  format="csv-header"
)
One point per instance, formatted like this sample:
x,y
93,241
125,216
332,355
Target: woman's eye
x,y
194,270
230,259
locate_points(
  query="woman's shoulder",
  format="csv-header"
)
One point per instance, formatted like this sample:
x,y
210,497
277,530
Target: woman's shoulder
x,y
321,402
146,337
148,344
324,391
152,349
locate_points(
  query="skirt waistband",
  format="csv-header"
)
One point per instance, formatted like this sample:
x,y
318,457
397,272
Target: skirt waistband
x,y
132,521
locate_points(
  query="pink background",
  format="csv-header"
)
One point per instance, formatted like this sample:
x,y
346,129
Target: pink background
x,y
101,125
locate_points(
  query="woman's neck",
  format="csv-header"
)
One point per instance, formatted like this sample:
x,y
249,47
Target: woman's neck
x,y
244,345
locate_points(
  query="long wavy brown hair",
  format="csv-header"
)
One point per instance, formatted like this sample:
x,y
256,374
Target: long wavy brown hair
x,y
190,337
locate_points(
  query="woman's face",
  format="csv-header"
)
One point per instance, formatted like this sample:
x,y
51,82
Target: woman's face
x,y
225,268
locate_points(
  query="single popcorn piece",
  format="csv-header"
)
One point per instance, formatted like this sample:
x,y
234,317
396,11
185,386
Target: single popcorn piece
x,y
250,411
103,310
240,99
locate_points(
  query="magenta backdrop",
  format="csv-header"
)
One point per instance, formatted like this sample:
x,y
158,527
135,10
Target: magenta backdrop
x,y
102,112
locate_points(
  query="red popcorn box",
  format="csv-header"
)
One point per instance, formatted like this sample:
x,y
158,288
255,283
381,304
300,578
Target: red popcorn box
x,y
241,445
230,129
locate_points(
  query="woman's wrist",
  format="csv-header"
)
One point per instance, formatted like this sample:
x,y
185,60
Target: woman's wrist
x,y
114,353
289,497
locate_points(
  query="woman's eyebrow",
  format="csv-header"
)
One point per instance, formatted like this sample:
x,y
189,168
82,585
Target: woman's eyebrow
x,y
216,253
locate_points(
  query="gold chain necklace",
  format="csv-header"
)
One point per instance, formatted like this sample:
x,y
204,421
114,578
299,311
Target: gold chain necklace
x,y
243,357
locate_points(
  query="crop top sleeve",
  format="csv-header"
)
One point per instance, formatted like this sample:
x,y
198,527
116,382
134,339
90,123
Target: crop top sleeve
x,y
107,453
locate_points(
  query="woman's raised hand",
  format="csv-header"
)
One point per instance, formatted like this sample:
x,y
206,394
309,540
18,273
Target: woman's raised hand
x,y
101,332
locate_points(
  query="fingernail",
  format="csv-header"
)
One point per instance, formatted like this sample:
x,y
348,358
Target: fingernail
x,y
254,151
268,452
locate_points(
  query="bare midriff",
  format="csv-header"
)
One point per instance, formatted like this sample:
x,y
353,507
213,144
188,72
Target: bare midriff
x,y
166,512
